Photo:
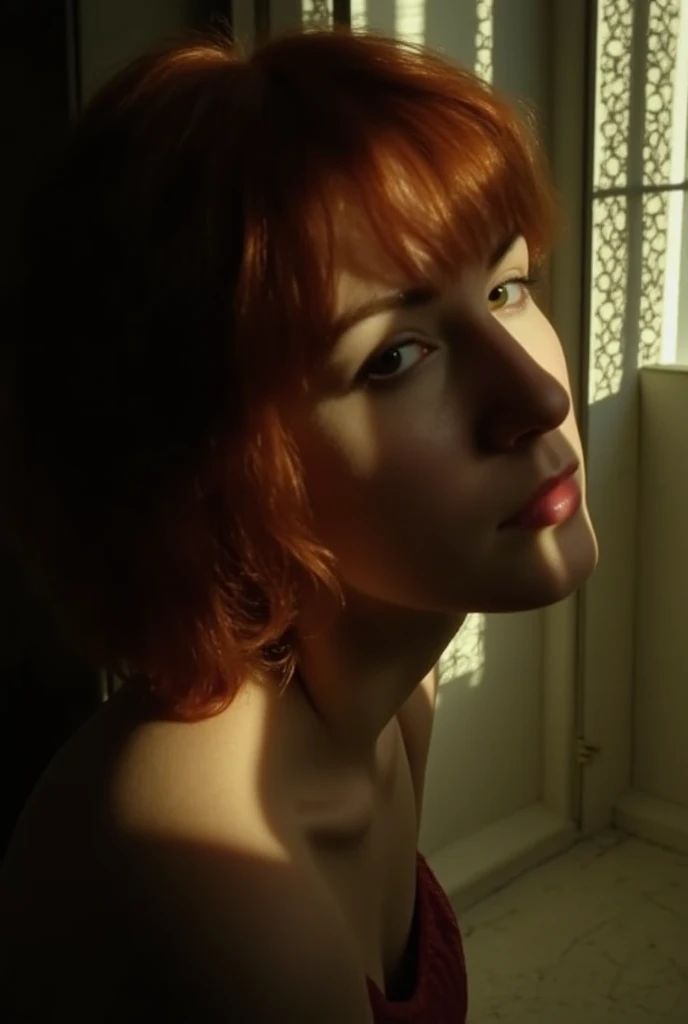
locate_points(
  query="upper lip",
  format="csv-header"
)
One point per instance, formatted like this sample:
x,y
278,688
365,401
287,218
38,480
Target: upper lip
x,y
545,488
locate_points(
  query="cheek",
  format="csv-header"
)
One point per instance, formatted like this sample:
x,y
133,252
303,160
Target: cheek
x,y
340,454
339,448
379,488
389,521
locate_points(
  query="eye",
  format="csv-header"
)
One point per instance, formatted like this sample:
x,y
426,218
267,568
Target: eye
x,y
395,361
511,294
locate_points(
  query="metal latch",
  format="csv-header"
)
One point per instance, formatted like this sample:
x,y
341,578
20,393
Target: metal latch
x,y
585,751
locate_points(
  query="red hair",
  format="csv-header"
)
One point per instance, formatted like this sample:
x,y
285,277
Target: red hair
x,y
177,277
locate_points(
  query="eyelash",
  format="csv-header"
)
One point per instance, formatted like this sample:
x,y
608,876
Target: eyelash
x,y
526,282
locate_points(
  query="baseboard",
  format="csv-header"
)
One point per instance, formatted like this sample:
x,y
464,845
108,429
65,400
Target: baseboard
x,y
657,821
473,868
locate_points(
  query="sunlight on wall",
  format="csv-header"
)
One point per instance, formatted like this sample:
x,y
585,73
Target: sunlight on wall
x,y
609,230
409,20
664,150
317,13
484,38
465,655
678,154
359,15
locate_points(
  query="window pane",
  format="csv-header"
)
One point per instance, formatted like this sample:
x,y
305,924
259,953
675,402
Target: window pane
x,y
641,120
613,92
664,136
653,306
609,296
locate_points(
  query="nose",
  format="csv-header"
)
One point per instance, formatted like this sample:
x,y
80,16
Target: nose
x,y
519,400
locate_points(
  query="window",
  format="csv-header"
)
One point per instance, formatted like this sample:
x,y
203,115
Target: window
x,y
639,272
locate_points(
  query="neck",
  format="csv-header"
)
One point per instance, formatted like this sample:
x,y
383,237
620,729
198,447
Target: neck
x,y
359,669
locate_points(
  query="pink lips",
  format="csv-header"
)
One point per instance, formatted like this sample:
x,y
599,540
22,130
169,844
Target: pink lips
x,y
557,500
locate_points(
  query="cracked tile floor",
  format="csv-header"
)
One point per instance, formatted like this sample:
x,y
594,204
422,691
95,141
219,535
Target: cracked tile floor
x,y
598,935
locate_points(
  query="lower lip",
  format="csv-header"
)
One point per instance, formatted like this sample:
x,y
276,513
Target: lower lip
x,y
551,509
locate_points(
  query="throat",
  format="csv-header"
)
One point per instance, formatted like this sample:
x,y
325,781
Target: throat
x,y
336,795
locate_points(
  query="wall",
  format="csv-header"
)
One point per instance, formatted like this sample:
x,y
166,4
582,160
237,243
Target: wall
x,y
660,762
112,34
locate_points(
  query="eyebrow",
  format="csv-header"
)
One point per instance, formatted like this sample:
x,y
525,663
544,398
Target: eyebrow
x,y
411,298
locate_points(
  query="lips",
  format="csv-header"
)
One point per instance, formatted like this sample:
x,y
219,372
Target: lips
x,y
556,501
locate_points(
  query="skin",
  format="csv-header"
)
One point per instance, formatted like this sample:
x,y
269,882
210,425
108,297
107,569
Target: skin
x,y
428,449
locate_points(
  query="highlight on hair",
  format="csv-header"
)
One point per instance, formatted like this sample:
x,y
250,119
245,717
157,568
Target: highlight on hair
x,y
175,280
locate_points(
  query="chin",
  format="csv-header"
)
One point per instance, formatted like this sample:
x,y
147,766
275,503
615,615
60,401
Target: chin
x,y
558,566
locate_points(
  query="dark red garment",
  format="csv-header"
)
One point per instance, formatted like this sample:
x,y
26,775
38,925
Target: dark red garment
x,y
440,995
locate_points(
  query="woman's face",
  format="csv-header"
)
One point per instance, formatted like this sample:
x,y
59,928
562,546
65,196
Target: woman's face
x,y
429,425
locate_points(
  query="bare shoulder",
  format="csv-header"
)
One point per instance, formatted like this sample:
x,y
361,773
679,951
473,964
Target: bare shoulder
x,y
176,888
245,932
240,922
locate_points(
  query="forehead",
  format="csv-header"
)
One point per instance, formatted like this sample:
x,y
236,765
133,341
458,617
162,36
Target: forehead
x,y
363,270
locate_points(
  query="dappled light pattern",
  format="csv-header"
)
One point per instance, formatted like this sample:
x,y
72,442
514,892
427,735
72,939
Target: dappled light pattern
x,y
662,46
610,220
359,15
484,35
655,224
409,20
608,299
317,13
658,146
612,99
465,655
640,149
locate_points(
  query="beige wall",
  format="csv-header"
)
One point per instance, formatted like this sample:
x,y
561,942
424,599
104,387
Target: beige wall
x,y
660,763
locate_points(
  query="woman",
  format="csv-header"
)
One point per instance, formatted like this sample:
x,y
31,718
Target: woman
x,y
282,411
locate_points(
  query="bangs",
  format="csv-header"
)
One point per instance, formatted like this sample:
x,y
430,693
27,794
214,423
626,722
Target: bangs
x,y
410,168
435,192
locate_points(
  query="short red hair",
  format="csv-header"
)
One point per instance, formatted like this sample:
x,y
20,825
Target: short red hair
x,y
177,275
